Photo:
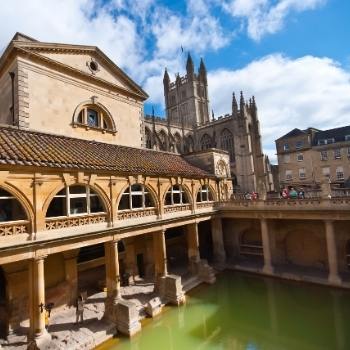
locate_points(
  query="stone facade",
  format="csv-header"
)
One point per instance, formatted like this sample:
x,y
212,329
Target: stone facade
x,y
188,127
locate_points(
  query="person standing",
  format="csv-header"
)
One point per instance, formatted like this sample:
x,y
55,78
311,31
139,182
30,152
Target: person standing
x,y
80,310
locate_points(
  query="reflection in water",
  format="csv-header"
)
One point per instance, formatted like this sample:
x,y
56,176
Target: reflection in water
x,y
244,312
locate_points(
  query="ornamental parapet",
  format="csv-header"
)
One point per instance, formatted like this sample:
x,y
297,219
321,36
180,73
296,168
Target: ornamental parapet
x,y
132,214
204,205
57,223
14,228
176,208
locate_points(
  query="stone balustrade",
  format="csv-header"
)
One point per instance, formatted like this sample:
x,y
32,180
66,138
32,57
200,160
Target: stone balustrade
x,y
57,223
139,213
203,205
13,228
176,208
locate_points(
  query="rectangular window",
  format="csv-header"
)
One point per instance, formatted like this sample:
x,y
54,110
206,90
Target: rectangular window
x,y
286,147
300,157
286,158
347,137
324,155
322,142
326,171
337,153
340,173
302,173
329,141
299,144
289,175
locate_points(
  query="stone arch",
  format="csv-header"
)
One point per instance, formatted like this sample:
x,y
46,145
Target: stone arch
x,y
148,187
100,192
178,142
306,248
206,142
163,140
211,189
227,143
22,200
186,190
96,106
189,144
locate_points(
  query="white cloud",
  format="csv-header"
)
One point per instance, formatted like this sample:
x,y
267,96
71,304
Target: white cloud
x,y
266,16
308,91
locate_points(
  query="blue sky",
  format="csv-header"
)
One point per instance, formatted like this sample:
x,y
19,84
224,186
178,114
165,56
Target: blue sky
x,y
293,55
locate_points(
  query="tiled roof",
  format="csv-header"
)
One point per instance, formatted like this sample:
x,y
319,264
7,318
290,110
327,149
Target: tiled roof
x,y
294,132
26,148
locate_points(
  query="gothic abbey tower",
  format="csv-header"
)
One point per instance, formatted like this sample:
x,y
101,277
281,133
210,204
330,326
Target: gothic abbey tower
x,y
188,127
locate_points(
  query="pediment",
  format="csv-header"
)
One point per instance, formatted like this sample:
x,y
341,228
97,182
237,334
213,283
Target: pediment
x,y
86,59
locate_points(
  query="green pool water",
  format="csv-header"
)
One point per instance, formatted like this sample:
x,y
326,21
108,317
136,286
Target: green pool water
x,y
247,312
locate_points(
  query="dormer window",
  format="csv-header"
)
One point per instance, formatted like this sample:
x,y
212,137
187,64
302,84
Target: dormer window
x,y
93,116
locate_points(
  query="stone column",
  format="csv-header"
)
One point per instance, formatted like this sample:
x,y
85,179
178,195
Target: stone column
x,y
193,246
218,240
130,259
266,241
160,258
37,298
71,270
333,276
112,271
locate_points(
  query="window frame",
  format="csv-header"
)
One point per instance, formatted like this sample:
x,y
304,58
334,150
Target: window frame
x,y
11,197
68,196
302,173
299,144
323,155
339,173
205,189
300,157
131,193
182,194
337,153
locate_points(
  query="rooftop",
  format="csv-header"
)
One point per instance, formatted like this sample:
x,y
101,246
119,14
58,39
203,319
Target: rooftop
x,y
27,148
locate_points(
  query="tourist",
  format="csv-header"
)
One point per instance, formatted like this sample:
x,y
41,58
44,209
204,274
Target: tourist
x,y
293,194
80,310
285,193
301,194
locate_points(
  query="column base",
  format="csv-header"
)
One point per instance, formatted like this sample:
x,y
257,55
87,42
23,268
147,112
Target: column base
x,y
171,290
269,270
41,341
334,279
127,318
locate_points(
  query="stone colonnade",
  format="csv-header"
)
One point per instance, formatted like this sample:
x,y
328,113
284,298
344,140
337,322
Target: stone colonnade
x,y
332,252
37,279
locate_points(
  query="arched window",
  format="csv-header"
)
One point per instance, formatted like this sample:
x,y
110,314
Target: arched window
x,y
10,208
94,116
205,142
226,140
163,140
176,195
75,200
177,138
204,194
136,197
189,144
148,138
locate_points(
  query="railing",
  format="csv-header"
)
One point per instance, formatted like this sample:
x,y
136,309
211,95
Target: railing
x,y
176,208
202,205
251,249
340,192
140,213
13,228
57,223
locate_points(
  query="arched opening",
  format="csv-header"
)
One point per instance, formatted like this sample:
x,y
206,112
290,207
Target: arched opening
x,y
176,195
227,144
10,208
162,140
136,196
176,248
204,194
93,115
148,138
205,241
206,142
3,306
189,144
177,139
75,200
250,245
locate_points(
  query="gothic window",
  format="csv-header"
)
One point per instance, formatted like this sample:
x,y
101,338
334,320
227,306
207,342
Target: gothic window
x,y
75,200
10,208
204,194
136,196
94,116
227,144
163,140
148,138
177,138
176,195
206,142
189,144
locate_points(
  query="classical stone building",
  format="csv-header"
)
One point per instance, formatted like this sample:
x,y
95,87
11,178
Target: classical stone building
x,y
314,157
83,207
189,126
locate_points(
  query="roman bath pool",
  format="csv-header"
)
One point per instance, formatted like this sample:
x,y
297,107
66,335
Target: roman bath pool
x,y
247,312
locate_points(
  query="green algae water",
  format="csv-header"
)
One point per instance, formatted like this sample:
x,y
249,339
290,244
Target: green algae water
x,y
247,312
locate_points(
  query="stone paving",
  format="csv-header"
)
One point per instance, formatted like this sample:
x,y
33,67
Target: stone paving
x,y
94,330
